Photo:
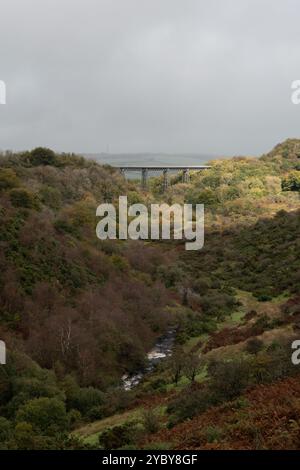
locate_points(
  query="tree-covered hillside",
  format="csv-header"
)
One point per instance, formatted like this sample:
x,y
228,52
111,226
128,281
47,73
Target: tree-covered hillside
x,y
77,313
85,311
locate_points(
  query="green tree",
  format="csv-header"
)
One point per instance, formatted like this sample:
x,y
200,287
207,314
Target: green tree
x,y
5,429
192,366
21,197
177,362
42,156
8,178
47,415
291,182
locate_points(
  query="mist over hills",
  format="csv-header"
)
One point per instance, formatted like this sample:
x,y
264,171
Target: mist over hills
x,y
150,158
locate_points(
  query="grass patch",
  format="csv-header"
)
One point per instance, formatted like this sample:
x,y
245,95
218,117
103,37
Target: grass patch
x,y
90,432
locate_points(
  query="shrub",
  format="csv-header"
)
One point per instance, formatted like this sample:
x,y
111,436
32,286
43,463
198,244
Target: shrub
x,y
96,412
262,323
24,436
254,345
47,415
120,263
264,298
63,226
51,197
229,379
42,156
213,434
291,182
74,418
86,399
5,429
150,420
23,198
8,179
118,436
190,402
208,197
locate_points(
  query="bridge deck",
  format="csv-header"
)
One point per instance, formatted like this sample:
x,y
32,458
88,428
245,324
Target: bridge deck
x,y
162,167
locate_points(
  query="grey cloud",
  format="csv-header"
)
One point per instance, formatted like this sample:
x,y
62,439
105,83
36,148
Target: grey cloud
x,y
149,75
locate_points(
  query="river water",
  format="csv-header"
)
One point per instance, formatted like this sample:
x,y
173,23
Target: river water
x,y
162,349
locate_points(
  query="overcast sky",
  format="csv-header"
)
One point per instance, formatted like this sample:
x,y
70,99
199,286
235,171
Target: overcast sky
x,y
207,76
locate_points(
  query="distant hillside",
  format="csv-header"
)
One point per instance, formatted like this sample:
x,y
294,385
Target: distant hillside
x,y
285,154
